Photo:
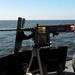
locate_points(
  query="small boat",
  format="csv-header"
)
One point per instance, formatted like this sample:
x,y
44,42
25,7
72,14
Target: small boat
x,y
43,59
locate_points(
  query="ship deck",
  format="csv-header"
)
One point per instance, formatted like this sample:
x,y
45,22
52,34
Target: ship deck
x,y
68,70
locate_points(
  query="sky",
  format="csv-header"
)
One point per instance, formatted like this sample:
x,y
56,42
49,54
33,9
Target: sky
x,y
37,9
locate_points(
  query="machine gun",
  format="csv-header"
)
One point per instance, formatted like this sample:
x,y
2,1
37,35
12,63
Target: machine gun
x,y
40,35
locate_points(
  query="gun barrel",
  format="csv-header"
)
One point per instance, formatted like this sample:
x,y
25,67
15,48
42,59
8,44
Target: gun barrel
x,y
15,29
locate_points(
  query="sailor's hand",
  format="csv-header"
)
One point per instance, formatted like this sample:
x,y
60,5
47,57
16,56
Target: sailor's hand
x,y
72,28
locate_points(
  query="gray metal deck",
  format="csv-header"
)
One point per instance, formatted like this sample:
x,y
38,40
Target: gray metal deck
x,y
68,70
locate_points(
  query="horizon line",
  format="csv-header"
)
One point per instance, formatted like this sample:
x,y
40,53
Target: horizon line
x,y
39,19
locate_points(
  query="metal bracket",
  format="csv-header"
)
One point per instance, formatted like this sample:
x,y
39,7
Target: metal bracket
x,y
18,41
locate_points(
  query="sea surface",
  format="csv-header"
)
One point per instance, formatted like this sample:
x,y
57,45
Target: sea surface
x,y
7,38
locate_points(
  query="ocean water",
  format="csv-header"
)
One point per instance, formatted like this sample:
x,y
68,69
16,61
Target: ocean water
x,y
7,38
